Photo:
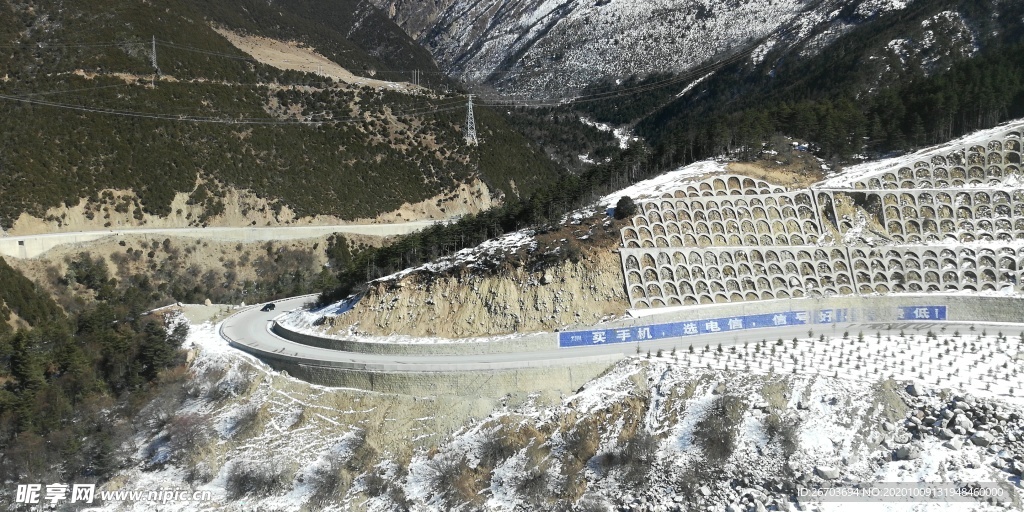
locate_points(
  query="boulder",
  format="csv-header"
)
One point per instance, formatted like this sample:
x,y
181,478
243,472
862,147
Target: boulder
x,y
906,453
981,439
914,390
546,278
954,444
828,473
944,433
963,421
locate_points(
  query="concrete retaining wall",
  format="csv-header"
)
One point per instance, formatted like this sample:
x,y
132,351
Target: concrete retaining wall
x,y
491,384
32,246
453,379
528,343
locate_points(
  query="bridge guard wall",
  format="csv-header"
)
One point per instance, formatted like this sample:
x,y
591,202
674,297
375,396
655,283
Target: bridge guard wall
x,y
489,383
540,341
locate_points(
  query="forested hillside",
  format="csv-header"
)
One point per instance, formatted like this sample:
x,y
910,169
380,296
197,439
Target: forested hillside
x,y
22,297
922,75
70,382
935,70
85,110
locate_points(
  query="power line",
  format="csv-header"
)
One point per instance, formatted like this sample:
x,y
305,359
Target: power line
x,y
219,120
488,101
46,46
689,75
69,91
205,52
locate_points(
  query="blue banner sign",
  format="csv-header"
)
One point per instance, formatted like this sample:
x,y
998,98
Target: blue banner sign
x,y
735,323
832,316
921,313
681,329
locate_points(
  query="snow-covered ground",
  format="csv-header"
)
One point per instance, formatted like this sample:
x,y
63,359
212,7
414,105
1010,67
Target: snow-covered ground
x,y
667,182
510,242
842,398
622,134
852,174
578,42
237,413
982,364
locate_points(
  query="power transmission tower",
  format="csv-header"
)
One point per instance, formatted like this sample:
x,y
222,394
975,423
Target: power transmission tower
x,y
156,68
470,123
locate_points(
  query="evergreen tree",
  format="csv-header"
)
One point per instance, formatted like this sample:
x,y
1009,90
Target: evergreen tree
x,y
625,208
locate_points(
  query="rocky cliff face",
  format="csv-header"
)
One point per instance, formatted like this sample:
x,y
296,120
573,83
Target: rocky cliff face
x,y
470,304
558,46
522,282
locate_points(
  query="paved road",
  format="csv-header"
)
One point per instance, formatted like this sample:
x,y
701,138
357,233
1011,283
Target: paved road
x,y
248,330
30,246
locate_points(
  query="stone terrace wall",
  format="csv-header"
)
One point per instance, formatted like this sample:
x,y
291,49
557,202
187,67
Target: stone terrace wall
x,y
729,238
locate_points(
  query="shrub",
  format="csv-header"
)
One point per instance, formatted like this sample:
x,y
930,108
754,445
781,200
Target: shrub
x,y
250,478
582,442
716,432
534,486
625,208
495,448
250,418
454,482
188,432
326,482
784,431
635,456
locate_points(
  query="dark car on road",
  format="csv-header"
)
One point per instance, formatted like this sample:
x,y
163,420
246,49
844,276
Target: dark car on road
x,y
268,307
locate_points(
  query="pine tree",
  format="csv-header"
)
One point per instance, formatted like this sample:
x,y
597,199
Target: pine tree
x,y
25,365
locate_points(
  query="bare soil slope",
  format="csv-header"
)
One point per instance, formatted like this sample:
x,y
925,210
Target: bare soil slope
x,y
291,55
562,281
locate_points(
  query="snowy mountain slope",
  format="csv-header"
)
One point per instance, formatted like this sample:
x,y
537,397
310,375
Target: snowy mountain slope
x,y
559,46
251,438
955,149
698,427
741,430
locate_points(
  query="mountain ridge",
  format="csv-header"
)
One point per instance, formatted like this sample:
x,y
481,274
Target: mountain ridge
x,y
86,112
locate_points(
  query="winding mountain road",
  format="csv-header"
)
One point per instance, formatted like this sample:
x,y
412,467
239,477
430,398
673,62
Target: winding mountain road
x,y
31,246
249,330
